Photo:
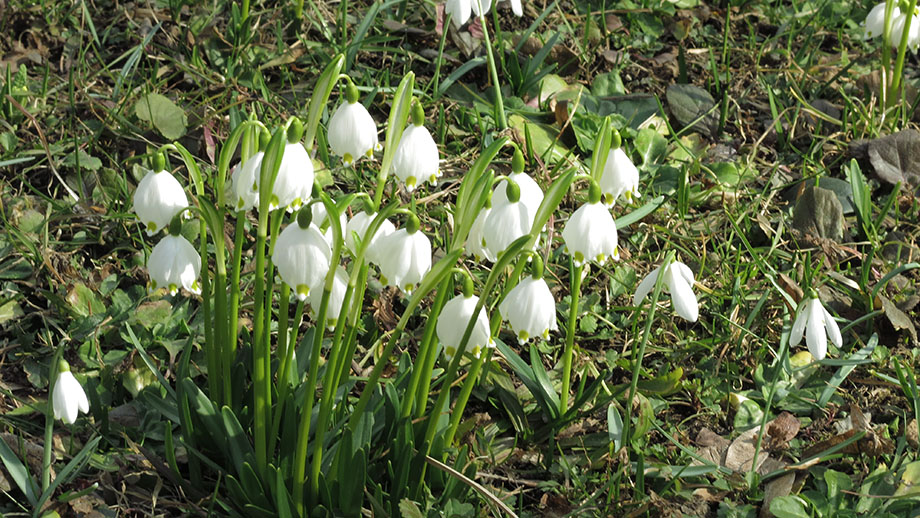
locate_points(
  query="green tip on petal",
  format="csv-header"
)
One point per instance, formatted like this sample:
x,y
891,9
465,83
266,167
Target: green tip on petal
x,y
410,182
347,159
303,291
546,334
517,161
450,351
522,337
152,228
418,114
295,130
173,289
579,258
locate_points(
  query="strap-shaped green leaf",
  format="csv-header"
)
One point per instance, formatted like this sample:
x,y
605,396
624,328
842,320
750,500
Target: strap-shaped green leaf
x,y
321,92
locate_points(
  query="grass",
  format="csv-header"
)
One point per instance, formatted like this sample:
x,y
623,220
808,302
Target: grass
x,y
72,274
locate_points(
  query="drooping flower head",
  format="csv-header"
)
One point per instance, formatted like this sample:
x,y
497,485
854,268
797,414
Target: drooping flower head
x,y
678,280
68,398
476,241
158,198
336,297
620,176
293,184
531,193
529,307
455,316
358,226
405,256
590,233
174,263
817,325
245,183
302,255
352,131
416,159
507,221
460,10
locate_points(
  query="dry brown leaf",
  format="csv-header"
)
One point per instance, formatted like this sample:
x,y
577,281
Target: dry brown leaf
x,y
780,431
872,443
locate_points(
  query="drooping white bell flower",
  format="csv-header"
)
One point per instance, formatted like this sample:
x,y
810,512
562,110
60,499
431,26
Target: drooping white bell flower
x,y
531,193
405,257
336,297
460,10
294,183
817,325
620,177
678,280
476,241
507,221
416,158
352,132
158,198
174,263
452,322
590,234
302,255
874,25
358,224
68,398
530,308
245,183
897,31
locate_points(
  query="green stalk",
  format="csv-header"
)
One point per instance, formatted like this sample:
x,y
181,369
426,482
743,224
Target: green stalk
x,y
500,119
463,398
49,421
902,51
575,289
420,382
234,310
284,386
355,312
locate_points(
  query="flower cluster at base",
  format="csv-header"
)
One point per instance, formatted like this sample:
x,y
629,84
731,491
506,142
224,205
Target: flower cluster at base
x,y
68,398
817,325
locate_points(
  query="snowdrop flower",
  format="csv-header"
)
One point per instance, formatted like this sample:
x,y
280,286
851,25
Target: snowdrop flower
x,y
352,131
507,222
531,193
460,9
68,398
476,241
530,308
620,176
416,157
455,316
678,280
591,234
358,225
336,297
405,257
817,325
245,180
158,198
302,255
174,263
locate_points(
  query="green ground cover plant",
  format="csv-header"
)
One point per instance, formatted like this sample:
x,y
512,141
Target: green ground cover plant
x,y
459,259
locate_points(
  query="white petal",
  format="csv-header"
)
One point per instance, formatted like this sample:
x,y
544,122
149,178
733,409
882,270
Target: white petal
x,y
531,193
352,132
684,271
157,199
416,159
646,286
459,11
798,328
682,296
815,336
516,7
833,332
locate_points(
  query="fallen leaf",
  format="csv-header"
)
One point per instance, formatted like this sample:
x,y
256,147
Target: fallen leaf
x,y
689,103
781,430
896,157
818,212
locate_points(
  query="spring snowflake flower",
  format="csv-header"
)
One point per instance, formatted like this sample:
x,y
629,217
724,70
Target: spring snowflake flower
x,y
452,322
476,241
817,325
352,131
531,193
336,297
530,309
405,257
509,219
358,225
174,263
68,398
591,234
302,255
294,183
416,158
158,198
620,177
678,280
874,25
245,183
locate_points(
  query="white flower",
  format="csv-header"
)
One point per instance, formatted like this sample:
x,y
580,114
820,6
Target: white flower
x,y
678,280
531,193
505,223
817,325
452,322
321,218
620,177
530,309
591,234
416,157
245,182
897,30
358,225
404,259
68,398
302,257
158,198
476,241
516,8
460,9
336,297
294,183
174,263
352,132
875,21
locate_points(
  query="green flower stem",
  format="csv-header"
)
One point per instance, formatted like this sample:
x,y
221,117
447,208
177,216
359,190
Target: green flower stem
x,y
234,310
211,354
575,289
896,94
356,311
420,382
500,119
640,353
284,387
463,398
49,420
